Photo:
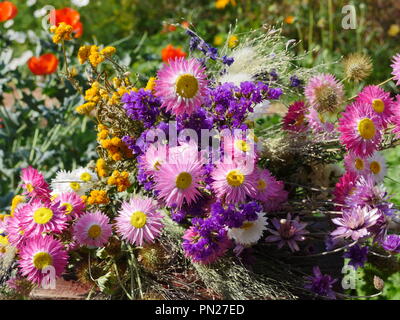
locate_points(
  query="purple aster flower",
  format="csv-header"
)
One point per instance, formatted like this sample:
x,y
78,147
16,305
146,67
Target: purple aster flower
x,y
321,284
391,243
288,232
355,223
358,255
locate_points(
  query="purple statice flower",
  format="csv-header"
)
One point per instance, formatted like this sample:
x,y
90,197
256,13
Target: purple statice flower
x,y
355,223
321,284
200,119
227,60
294,81
234,217
367,193
274,75
391,243
205,241
274,93
142,106
288,232
189,211
358,256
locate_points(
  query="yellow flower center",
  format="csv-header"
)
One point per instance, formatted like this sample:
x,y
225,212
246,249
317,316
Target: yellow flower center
x,y
187,86
68,207
3,240
42,215
378,105
94,231
42,260
375,167
261,184
138,219
86,177
242,145
321,118
359,164
235,178
366,128
29,187
75,186
246,225
183,180
157,165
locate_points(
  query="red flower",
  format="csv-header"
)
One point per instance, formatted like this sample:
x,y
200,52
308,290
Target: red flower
x,y
71,17
8,11
171,53
45,64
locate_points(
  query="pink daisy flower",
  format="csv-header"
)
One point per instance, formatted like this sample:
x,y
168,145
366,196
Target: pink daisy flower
x,y
276,202
355,163
324,93
138,221
93,229
15,231
360,129
319,124
396,116
294,120
267,186
376,167
396,68
42,217
71,203
344,187
379,101
154,157
181,85
234,181
238,147
34,183
178,180
40,252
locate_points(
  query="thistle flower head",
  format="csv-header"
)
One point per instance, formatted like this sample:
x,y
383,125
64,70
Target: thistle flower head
x,y
357,66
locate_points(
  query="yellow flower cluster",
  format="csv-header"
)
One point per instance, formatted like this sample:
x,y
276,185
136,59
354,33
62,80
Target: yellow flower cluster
x,y
233,41
92,96
94,54
101,167
150,84
221,4
97,197
62,32
115,147
119,179
3,244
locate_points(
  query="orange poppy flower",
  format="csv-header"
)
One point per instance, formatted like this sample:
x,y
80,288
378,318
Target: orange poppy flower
x,y
171,53
8,11
71,17
45,64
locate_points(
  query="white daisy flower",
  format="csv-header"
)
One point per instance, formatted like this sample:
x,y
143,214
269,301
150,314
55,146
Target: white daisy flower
x,y
78,180
376,166
250,232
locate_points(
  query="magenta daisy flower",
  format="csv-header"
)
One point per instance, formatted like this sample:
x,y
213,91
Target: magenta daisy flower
x,y
344,187
234,181
139,221
42,217
34,183
40,252
178,180
181,85
355,223
294,120
379,102
287,232
355,163
396,68
324,93
360,129
15,232
71,203
93,229
267,186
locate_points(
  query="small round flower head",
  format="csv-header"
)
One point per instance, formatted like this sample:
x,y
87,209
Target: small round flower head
x,y
396,68
39,217
234,181
41,252
357,66
355,164
321,284
355,223
294,120
344,187
34,183
324,93
178,180
360,129
287,231
71,203
267,186
358,256
391,243
93,229
250,231
376,166
319,124
181,86
153,158
138,221
379,101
